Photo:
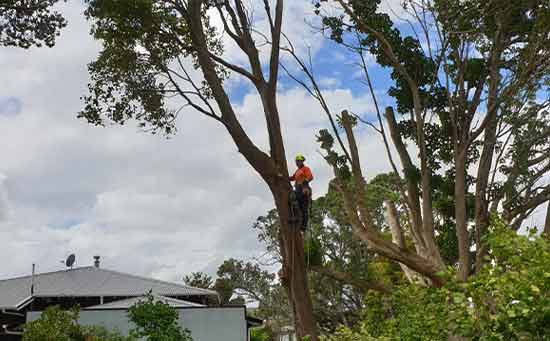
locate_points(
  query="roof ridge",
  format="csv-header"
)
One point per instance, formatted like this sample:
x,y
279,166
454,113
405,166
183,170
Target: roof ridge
x,y
159,281
45,273
156,297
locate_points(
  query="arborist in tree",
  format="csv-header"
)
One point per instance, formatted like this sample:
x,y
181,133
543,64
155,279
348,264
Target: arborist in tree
x,y
302,177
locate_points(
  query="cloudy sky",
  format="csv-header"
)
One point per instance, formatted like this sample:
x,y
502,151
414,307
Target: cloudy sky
x,y
148,205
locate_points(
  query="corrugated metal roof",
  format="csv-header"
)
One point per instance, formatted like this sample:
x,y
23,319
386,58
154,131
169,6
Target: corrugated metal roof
x,y
89,281
127,303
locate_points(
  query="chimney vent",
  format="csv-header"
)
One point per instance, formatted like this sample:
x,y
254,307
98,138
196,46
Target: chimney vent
x,y
96,261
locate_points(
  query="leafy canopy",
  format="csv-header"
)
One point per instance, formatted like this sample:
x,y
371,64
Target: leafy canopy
x,y
134,74
26,23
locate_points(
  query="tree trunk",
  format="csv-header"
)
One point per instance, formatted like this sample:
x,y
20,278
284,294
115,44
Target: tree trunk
x,y
423,239
398,238
461,216
360,219
272,167
546,231
482,181
486,158
294,272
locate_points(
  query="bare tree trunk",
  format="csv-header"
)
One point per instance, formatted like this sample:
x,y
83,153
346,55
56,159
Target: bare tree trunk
x,y
461,216
294,273
423,239
482,181
489,142
546,231
360,219
398,238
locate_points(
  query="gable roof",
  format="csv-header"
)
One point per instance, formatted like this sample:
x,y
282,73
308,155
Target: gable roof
x,y
127,303
88,282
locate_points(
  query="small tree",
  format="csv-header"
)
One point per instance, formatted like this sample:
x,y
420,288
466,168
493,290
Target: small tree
x,y
54,324
26,23
198,280
156,321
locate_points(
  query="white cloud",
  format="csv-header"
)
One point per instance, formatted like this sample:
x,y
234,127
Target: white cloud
x,y
300,27
329,82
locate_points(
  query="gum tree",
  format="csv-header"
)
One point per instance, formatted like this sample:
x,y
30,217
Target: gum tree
x,y
471,92
147,47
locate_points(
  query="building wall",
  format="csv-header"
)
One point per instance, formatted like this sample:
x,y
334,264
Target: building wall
x,y
205,324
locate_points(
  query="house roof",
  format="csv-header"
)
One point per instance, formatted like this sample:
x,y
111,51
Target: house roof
x,y
127,303
88,282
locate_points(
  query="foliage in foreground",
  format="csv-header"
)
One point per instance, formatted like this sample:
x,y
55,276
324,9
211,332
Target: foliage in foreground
x,y
153,321
259,335
56,324
156,321
508,300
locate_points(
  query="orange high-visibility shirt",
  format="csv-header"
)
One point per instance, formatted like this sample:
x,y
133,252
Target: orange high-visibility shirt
x,y
301,175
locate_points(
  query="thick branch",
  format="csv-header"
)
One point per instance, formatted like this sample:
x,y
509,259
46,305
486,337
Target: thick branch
x,y
412,188
257,158
347,278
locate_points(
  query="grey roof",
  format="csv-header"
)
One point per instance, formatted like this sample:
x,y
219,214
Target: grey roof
x,y
127,303
86,282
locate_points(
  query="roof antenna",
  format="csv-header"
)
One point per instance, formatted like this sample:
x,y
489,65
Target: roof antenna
x,y
70,261
32,280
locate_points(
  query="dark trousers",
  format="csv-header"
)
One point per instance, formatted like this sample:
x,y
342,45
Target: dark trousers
x,y
304,201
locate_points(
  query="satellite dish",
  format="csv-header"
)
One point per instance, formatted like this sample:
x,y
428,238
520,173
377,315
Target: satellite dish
x,y
70,260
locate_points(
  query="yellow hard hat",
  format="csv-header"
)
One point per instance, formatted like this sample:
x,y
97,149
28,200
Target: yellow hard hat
x,y
300,157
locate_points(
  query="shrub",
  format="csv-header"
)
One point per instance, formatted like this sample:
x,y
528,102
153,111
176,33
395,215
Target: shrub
x,y
156,321
56,324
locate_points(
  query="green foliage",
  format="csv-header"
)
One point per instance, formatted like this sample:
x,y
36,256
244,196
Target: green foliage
x,y
131,79
508,300
97,333
198,280
259,335
56,324
240,282
156,321
244,279
313,252
26,23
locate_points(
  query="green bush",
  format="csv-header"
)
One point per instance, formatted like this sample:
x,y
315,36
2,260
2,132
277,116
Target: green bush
x,y
153,321
509,299
56,324
156,321
260,334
